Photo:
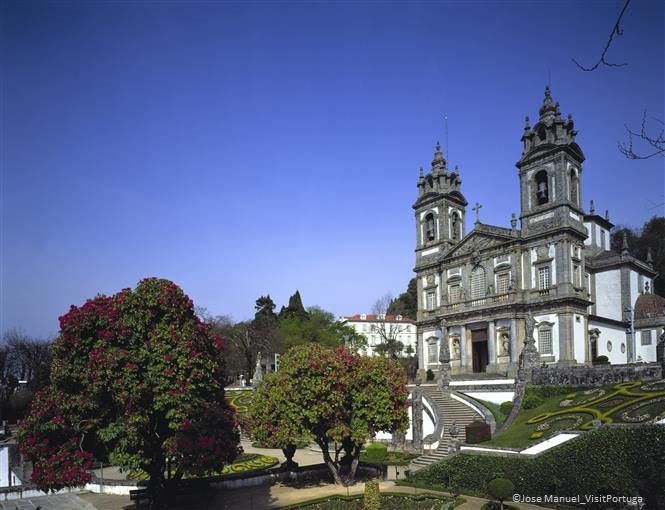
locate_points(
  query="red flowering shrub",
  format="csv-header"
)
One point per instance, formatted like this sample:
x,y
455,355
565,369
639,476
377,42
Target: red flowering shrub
x,y
135,376
331,396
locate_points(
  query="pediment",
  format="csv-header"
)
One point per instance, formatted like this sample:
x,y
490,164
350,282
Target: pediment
x,y
478,242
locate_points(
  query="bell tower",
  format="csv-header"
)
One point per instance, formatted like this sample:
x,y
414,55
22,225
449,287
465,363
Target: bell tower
x,y
550,173
440,208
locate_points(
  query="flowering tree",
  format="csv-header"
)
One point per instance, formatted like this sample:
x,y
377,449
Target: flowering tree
x,y
331,396
135,377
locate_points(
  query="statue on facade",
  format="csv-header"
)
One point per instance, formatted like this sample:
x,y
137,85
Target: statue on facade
x,y
505,344
456,348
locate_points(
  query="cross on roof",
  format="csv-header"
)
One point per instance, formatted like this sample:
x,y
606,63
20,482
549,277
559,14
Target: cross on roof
x,y
477,209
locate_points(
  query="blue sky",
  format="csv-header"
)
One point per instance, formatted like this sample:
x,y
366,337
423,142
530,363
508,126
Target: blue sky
x,y
246,148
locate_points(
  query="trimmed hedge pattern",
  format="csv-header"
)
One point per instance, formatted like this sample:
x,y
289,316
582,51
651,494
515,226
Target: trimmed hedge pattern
x,y
619,461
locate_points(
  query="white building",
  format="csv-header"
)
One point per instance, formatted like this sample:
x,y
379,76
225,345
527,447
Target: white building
x,y
381,329
553,266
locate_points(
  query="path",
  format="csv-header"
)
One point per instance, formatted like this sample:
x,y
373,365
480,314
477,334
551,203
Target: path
x,y
250,498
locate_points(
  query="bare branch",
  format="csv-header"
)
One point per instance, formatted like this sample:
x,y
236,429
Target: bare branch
x,y
655,143
616,30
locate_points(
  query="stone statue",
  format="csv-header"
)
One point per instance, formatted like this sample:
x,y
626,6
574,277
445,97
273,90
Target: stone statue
x,y
529,357
417,421
444,357
530,324
444,351
456,348
505,344
258,371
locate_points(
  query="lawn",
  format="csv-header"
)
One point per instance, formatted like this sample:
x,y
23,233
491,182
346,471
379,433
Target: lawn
x,y
246,463
627,403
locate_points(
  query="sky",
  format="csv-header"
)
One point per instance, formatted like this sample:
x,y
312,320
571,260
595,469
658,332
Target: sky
x,y
249,148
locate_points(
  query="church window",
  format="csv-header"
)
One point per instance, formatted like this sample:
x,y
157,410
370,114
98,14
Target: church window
x,y
478,284
431,300
602,239
542,192
543,278
574,187
455,225
646,337
502,283
545,340
430,228
542,135
454,293
431,352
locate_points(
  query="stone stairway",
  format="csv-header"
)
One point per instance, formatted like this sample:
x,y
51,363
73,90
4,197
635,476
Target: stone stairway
x,y
451,411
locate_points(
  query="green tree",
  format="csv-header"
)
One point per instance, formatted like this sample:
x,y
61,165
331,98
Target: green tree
x,y
331,396
295,308
406,303
315,326
501,489
263,335
650,240
136,377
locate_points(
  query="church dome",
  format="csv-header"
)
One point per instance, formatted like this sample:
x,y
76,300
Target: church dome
x,y
649,306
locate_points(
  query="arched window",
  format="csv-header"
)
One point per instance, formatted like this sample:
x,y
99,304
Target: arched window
x,y
455,226
430,228
574,187
542,190
478,283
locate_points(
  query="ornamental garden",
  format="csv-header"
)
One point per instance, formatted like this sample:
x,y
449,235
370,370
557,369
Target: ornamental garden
x,y
137,382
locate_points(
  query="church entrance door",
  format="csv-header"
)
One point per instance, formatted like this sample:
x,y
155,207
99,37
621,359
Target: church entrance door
x,y
479,353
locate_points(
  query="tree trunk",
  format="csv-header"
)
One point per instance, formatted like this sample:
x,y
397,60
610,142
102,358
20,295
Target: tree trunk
x,y
352,471
334,470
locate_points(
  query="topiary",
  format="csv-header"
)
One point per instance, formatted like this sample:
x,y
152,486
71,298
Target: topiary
x,y
430,374
500,488
506,407
376,452
532,401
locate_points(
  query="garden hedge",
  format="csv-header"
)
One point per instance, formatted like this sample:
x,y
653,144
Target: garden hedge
x,y
618,460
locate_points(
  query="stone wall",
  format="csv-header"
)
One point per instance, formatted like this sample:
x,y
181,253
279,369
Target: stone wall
x,y
598,375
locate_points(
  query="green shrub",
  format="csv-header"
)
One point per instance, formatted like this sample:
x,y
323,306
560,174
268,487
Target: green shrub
x,y
506,407
532,401
601,360
631,461
376,452
547,391
372,499
500,488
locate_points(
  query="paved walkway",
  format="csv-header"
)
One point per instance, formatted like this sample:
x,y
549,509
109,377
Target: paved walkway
x,y
250,498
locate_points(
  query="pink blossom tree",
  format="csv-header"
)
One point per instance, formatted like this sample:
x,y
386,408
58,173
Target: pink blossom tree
x,y
135,378
336,398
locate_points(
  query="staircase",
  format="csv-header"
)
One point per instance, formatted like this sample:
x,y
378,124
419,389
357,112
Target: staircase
x,y
451,411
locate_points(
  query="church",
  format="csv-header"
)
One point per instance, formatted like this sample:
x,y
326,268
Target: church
x,y
551,273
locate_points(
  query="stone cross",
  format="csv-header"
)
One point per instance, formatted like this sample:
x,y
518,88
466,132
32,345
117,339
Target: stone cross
x,y
477,210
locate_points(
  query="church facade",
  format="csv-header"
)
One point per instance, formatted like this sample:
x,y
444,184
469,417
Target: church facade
x,y
477,290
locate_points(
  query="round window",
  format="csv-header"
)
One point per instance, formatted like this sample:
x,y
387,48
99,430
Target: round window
x,y
609,346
